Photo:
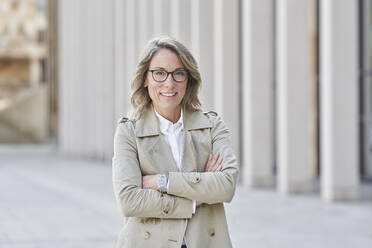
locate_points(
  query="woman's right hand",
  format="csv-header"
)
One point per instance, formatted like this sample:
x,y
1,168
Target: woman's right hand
x,y
214,164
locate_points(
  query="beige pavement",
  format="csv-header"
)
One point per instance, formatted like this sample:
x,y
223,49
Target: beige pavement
x,y
53,201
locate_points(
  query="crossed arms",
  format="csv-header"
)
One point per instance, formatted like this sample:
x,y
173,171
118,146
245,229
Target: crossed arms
x,y
138,196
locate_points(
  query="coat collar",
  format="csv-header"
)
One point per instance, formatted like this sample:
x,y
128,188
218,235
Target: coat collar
x,y
148,124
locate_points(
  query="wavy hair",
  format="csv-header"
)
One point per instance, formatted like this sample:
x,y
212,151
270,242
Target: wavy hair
x,y
140,98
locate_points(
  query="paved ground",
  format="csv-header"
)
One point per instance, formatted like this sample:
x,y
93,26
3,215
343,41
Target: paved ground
x,y
52,201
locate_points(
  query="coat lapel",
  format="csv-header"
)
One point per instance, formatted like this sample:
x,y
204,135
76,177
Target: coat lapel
x,y
152,142
192,121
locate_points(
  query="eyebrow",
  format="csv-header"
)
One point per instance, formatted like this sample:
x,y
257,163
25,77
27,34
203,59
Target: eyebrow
x,y
162,68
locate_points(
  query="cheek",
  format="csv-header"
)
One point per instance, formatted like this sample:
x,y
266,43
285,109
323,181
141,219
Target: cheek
x,y
151,89
183,90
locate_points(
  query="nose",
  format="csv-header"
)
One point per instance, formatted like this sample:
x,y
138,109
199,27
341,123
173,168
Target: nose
x,y
169,79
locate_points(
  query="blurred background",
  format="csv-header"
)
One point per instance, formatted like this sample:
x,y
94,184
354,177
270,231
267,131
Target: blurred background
x,y
291,78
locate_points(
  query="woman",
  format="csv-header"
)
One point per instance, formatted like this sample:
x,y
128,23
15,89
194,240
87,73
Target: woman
x,y
173,165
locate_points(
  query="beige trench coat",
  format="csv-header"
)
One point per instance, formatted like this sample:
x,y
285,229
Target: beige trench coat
x,y
153,219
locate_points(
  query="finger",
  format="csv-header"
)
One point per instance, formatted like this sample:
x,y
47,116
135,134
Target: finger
x,y
217,164
209,158
215,157
219,161
207,164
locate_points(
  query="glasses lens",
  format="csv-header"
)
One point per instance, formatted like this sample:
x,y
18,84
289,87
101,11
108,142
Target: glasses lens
x,y
159,75
179,75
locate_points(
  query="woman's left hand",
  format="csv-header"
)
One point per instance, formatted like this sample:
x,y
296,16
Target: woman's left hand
x,y
150,182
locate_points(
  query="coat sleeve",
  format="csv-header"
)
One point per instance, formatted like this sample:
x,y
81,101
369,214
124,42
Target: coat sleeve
x,y
127,181
210,187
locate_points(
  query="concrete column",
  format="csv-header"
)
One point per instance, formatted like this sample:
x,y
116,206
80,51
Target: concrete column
x,y
174,18
64,26
202,46
366,89
226,66
142,20
194,22
81,61
69,27
180,20
120,42
294,148
257,110
158,9
131,54
92,76
108,80
339,100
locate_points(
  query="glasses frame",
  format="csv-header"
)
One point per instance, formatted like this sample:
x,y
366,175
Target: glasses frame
x,y
169,72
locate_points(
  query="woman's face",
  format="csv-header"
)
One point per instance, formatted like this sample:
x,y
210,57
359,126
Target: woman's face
x,y
166,96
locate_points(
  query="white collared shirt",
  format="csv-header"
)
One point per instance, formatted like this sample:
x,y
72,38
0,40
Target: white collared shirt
x,y
173,135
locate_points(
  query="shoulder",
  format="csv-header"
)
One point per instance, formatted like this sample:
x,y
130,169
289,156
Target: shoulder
x,y
126,125
123,120
212,116
217,122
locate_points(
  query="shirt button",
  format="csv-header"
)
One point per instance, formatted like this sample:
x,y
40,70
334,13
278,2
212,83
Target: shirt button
x,y
146,235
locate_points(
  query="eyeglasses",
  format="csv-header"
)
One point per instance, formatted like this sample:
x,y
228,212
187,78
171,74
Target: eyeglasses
x,y
159,75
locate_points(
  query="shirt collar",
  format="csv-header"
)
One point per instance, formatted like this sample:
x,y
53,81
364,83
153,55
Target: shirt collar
x,y
165,125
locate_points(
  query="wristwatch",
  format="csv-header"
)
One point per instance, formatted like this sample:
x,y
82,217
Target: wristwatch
x,y
162,183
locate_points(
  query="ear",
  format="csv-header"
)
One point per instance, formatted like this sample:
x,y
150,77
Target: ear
x,y
145,84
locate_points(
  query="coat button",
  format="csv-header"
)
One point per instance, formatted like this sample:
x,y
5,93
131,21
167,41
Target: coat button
x,y
211,232
146,235
165,211
196,178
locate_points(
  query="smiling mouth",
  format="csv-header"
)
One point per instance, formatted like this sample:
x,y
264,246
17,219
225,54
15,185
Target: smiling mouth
x,y
168,94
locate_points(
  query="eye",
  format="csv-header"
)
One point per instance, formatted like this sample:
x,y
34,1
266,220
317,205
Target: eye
x,y
159,73
180,73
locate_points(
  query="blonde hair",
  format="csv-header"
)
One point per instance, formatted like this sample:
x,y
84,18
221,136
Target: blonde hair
x,y
140,98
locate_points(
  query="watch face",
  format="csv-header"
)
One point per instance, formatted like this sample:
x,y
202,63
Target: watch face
x,y
162,181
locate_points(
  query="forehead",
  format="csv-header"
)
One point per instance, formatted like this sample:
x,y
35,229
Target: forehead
x,y
167,59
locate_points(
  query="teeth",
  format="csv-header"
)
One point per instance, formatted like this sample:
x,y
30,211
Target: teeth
x,y
166,94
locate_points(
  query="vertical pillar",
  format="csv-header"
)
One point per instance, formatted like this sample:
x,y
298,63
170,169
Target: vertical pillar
x,y
258,72
108,79
130,49
293,97
180,20
158,17
366,90
339,100
174,18
202,46
52,61
142,20
120,67
226,66
64,76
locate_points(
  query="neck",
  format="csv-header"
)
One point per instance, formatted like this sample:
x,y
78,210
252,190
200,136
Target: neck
x,y
172,115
